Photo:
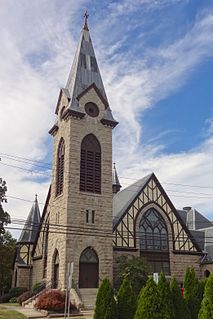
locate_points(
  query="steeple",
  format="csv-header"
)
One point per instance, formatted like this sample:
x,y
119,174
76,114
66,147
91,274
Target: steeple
x,y
83,76
116,186
31,225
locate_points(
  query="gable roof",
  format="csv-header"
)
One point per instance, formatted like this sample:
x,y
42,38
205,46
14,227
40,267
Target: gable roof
x,y
124,198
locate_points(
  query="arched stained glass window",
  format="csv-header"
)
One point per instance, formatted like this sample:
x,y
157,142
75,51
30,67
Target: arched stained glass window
x,y
153,231
154,245
90,167
60,168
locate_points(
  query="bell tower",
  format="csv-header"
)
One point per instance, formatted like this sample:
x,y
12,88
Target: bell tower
x,y
81,190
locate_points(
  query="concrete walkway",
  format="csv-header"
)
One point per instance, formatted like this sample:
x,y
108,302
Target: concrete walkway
x,y
33,313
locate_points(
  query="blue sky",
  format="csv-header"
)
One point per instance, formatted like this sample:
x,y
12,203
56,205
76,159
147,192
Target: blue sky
x,y
156,61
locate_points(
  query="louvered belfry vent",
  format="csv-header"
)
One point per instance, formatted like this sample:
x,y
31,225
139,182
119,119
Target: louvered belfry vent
x,y
60,168
90,169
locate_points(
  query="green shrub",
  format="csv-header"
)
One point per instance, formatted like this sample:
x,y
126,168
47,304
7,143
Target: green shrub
x,y
136,269
165,298
13,300
148,302
14,292
206,310
39,286
192,293
126,300
179,305
105,307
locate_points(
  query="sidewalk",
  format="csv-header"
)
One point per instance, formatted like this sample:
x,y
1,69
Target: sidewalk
x,y
34,314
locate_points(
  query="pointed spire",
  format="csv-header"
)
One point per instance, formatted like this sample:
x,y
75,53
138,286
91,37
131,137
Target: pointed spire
x,y
85,75
31,225
116,186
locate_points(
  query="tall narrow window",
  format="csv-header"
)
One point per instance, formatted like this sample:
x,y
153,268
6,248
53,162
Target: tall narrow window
x,y
45,247
154,244
90,169
60,168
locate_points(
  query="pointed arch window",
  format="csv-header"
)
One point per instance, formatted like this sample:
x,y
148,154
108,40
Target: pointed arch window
x,y
60,167
154,245
90,167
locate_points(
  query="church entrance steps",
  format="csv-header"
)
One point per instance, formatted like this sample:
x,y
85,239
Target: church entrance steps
x,y
88,297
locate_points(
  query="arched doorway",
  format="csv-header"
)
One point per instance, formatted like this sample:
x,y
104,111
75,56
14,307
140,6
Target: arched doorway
x,y
56,270
88,269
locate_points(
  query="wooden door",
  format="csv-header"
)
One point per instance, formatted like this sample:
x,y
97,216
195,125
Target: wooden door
x,y
88,275
56,276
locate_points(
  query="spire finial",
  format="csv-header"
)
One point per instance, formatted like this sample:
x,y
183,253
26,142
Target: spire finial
x,y
114,165
36,198
86,15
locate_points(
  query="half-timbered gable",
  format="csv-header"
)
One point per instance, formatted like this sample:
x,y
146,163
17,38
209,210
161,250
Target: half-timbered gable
x,y
146,223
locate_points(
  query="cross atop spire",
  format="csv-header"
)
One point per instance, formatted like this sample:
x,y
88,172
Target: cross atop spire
x,y
86,16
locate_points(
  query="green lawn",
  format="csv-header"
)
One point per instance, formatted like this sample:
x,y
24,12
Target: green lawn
x,y
10,314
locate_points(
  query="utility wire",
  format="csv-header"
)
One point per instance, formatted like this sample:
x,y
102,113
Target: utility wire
x,y
50,166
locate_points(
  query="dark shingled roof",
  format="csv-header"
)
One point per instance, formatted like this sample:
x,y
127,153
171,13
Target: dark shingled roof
x,y
31,226
123,199
85,74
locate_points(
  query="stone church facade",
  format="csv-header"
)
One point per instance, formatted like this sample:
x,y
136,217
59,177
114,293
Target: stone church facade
x,y
87,219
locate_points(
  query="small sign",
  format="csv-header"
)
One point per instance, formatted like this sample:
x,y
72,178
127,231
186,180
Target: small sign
x,y
156,277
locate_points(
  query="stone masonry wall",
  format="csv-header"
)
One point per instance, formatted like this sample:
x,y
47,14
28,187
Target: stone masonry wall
x,y
72,204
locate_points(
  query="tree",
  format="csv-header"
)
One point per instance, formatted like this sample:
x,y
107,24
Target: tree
x,y
192,293
136,271
149,302
165,298
105,307
179,305
126,300
4,216
206,310
7,251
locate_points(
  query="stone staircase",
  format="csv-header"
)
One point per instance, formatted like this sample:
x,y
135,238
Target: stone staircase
x,y
88,297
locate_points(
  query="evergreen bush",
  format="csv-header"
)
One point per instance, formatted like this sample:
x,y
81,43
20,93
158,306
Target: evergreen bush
x,y
105,307
192,293
148,302
165,298
179,305
136,269
126,300
206,310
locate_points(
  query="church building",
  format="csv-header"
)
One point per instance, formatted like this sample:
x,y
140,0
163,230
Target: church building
x,y
87,219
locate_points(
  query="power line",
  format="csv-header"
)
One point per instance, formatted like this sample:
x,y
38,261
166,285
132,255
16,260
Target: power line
x,y
14,157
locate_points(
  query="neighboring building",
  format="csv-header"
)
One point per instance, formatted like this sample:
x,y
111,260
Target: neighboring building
x,y
87,219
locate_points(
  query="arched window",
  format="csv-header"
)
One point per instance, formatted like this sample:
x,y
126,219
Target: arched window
x,y
90,167
154,245
60,168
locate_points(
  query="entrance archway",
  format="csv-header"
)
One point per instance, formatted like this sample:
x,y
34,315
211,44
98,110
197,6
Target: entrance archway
x,y
56,270
88,269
